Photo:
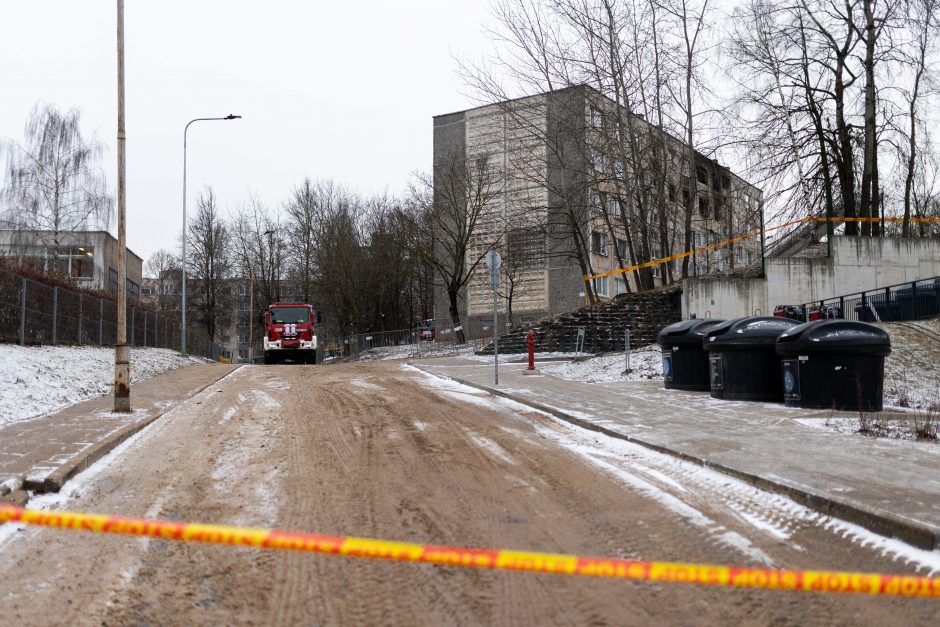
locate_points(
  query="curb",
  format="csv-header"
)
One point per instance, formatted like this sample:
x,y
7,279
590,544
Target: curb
x,y
81,461
913,533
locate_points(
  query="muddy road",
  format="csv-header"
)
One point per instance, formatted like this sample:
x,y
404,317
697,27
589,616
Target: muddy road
x,y
383,450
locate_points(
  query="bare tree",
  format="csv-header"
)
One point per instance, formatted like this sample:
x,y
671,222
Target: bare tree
x,y
459,226
54,182
210,264
259,249
301,210
923,24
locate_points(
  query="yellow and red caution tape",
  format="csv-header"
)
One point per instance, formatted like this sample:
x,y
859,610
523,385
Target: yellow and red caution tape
x,y
728,242
671,572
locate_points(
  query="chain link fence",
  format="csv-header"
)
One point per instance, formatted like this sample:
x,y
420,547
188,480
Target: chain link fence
x,y
33,313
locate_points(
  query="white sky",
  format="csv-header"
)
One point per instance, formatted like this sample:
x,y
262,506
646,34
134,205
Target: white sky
x,y
327,90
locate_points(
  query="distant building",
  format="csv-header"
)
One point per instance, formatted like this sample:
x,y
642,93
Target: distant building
x,y
556,162
90,258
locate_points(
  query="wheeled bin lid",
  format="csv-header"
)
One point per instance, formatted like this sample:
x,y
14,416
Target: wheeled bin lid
x,y
834,336
745,333
685,333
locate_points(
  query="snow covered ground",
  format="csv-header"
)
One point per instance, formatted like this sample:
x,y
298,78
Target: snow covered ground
x,y
645,363
36,380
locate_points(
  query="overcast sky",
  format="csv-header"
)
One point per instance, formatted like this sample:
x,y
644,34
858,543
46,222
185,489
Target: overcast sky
x,y
327,90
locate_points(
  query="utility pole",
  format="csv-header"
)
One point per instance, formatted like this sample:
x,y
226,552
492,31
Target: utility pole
x,y
122,366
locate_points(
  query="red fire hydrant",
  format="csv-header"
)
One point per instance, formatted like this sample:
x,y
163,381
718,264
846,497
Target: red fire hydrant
x,y
531,339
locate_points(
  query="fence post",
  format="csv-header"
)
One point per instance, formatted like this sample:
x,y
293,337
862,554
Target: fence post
x,y
23,313
79,334
100,322
55,312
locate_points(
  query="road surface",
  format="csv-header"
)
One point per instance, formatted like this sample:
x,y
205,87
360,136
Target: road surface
x,y
383,450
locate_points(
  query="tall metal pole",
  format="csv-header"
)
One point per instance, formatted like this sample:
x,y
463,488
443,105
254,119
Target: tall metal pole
x,y
122,367
183,260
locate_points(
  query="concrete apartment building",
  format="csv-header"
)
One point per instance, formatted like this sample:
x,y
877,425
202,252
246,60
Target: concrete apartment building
x,y
553,162
90,258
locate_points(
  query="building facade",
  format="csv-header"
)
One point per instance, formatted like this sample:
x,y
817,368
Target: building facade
x,y
90,258
582,187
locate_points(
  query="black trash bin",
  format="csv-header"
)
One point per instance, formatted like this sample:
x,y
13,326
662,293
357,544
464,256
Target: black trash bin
x,y
743,361
685,362
834,364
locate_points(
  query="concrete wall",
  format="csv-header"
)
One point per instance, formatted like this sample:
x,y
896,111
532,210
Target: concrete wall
x,y
857,264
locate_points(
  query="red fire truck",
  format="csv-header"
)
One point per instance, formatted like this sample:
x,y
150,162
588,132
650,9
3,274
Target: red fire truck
x,y
289,333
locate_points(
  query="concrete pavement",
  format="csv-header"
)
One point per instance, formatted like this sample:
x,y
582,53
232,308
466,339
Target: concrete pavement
x,y
42,453
891,487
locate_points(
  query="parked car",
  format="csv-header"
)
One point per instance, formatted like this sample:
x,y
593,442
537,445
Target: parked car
x,y
426,332
794,312
824,312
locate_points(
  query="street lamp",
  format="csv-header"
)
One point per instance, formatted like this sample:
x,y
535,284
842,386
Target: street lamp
x,y
183,260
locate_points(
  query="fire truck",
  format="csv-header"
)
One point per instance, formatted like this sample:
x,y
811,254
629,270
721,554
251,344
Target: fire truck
x,y
289,333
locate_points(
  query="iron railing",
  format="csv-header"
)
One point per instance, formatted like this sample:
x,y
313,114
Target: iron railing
x,y
915,300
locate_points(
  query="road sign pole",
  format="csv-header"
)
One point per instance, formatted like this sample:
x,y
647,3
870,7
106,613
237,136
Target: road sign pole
x,y
495,330
494,260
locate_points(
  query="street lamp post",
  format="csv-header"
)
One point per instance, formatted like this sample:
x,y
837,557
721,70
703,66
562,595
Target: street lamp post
x,y
183,260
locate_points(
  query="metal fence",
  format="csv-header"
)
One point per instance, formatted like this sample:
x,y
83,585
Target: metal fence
x,y
34,313
439,337
906,301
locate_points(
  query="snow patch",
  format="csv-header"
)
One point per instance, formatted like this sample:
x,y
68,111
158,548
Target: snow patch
x,y
37,380
490,447
361,383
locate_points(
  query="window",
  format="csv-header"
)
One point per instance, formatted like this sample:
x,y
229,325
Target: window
x,y
599,243
701,175
600,286
226,339
597,118
112,280
672,193
133,290
685,196
595,200
618,169
703,207
291,315
598,160
622,248
620,285
725,183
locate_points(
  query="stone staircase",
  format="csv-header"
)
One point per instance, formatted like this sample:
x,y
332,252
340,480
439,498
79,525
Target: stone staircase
x,y
644,314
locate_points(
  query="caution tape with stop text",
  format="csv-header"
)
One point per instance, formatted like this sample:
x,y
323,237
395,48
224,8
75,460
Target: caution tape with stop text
x,y
497,559
734,240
